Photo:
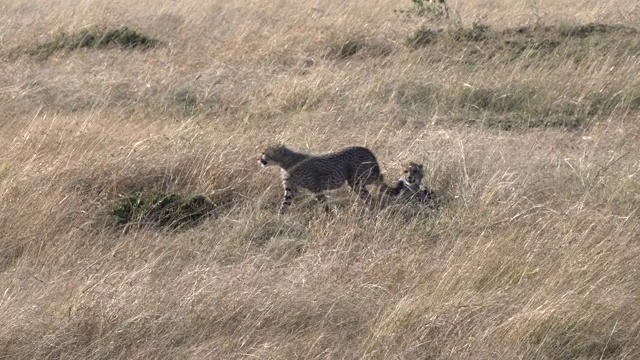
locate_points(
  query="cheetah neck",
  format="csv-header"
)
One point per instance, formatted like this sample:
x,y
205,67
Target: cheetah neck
x,y
291,159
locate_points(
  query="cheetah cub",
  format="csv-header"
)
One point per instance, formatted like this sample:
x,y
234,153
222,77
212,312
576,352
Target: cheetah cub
x,y
409,187
355,165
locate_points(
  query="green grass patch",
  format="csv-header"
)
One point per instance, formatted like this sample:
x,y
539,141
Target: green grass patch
x,y
94,37
160,210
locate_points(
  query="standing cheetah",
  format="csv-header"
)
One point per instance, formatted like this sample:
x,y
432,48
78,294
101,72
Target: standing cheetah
x,y
410,186
355,165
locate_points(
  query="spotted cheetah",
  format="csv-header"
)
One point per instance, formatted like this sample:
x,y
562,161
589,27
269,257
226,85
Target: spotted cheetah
x,y
355,165
410,186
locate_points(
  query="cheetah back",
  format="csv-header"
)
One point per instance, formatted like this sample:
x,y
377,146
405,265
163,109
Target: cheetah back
x,y
355,165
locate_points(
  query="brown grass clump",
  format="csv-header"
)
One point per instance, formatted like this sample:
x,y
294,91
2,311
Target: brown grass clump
x,y
136,223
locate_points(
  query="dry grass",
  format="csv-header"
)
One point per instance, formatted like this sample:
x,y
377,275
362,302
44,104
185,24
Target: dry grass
x,y
531,135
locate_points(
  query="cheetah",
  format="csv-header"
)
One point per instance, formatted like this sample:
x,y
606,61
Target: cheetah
x,y
410,186
355,165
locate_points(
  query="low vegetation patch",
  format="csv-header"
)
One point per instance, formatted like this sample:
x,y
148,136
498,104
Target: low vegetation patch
x,y
160,210
518,106
424,8
515,41
94,38
346,48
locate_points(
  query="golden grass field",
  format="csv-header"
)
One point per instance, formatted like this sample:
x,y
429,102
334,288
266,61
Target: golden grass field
x,y
526,115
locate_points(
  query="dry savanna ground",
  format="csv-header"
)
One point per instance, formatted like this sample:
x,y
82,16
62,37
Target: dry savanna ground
x,y
135,222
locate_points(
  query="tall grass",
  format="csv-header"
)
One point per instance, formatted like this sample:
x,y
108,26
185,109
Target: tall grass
x,y
528,132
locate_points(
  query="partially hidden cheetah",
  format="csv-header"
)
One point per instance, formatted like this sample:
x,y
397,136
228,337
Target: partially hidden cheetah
x,y
409,187
355,165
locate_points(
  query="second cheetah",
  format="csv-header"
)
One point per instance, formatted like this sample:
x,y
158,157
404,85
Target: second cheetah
x,y
410,186
355,165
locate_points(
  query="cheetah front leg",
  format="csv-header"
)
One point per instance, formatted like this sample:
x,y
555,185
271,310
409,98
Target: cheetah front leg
x,y
322,199
392,191
289,193
360,189
363,194
426,196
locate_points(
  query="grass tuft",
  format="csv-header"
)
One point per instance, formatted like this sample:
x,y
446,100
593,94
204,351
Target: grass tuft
x,y
345,50
94,37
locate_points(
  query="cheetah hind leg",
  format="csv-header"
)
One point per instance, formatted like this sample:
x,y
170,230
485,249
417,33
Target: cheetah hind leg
x,y
363,193
359,188
322,199
365,196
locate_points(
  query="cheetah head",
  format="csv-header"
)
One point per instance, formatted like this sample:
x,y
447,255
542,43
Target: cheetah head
x,y
414,173
272,154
